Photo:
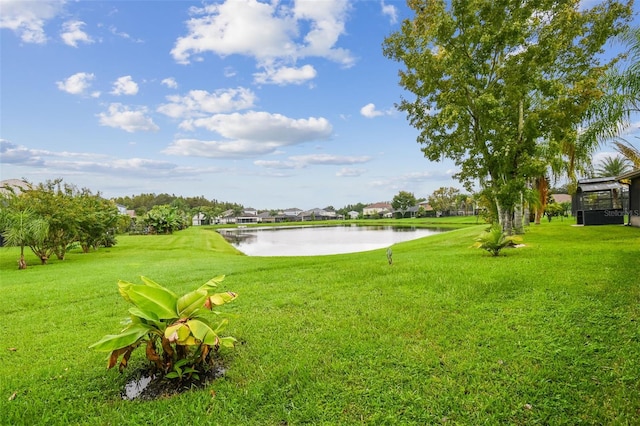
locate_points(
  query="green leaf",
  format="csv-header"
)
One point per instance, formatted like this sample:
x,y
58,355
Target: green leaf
x,y
158,300
123,288
221,326
202,332
228,342
191,302
128,337
149,316
212,283
149,282
222,298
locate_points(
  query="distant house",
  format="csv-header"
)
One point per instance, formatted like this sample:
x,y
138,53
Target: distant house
x,y
353,214
199,219
13,185
248,216
561,198
122,209
633,211
378,209
317,214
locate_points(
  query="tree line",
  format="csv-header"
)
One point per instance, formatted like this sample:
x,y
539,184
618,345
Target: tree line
x,y
52,217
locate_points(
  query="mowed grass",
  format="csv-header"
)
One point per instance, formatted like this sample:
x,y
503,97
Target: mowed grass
x,y
547,334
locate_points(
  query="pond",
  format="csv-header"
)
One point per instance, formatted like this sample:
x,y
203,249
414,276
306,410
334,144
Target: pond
x,y
320,240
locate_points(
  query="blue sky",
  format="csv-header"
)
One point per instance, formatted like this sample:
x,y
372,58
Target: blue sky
x,y
271,105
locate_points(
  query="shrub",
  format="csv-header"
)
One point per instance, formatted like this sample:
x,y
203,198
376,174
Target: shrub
x,y
177,337
494,240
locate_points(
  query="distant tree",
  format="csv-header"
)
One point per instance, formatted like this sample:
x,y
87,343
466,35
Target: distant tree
x,y
358,207
97,220
443,199
21,227
164,219
612,166
403,201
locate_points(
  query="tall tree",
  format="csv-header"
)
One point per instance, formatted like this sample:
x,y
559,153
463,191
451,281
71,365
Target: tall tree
x,y
493,78
443,199
402,201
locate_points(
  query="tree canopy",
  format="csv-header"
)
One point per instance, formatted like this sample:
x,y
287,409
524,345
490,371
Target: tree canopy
x,y
501,86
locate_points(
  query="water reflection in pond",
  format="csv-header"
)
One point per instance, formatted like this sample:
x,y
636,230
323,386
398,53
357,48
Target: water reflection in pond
x,y
319,240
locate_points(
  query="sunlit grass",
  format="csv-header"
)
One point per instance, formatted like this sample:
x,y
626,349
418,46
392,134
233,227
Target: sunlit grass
x,y
545,334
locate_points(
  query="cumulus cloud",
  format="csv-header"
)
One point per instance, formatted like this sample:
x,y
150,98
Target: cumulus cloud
x,y
264,127
170,82
286,75
72,33
370,111
130,120
390,11
275,34
124,86
77,84
28,18
197,103
250,134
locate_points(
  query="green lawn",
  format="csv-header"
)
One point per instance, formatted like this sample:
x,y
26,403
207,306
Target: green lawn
x,y
547,334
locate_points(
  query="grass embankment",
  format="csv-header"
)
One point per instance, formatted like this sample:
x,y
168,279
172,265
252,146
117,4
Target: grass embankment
x,y
548,334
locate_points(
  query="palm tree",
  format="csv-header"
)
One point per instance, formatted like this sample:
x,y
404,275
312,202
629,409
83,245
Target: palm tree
x,y
629,151
612,166
611,114
23,228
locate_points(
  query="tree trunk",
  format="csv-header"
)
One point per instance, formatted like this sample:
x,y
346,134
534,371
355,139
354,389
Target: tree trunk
x,y
505,218
518,226
22,264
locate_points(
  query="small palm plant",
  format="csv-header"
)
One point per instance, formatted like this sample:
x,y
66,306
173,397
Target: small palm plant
x,y
494,240
172,328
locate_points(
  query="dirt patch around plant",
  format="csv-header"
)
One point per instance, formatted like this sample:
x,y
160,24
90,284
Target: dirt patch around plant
x,y
146,384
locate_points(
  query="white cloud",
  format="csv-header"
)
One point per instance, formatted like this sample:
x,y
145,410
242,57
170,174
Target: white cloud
x,y
265,127
250,134
130,120
73,33
78,162
123,35
170,82
329,159
15,154
302,161
245,27
124,86
370,111
349,172
197,103
285,75
77,84
28,18
390,11
272,33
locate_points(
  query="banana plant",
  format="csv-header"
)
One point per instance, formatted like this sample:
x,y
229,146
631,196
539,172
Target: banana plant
x,y
173,329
